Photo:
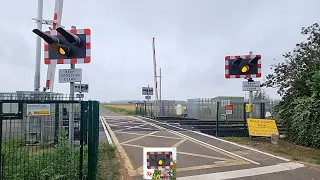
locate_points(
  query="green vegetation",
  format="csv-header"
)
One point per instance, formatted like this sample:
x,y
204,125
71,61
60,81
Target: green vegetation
x,y
43,162
317,159
157,173
283,148
297,79
174,176
58,162
108,165
119,110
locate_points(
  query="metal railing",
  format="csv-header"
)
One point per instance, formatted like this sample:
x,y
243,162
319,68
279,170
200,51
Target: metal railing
x,y
36,146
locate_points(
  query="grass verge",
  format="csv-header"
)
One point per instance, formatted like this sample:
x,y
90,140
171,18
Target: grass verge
x,y
119,110
108,165
283,148
54,162
58,162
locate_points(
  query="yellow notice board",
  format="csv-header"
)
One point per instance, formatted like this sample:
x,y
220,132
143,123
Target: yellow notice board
x,y
262,127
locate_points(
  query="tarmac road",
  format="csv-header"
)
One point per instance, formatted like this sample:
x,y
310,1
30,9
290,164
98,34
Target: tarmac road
x,y
102,134
199,156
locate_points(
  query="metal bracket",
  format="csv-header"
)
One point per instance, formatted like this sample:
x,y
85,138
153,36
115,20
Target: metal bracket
x,y
48,22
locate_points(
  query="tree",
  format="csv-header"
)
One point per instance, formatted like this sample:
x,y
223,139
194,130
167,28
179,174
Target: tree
x,y
297,80
259,96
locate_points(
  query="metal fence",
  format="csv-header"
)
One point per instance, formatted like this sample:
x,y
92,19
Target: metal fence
x,y
164,108
206,108
36,146
216,119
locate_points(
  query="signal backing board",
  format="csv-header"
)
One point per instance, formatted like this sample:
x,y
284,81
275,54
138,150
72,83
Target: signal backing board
x,y
84,35
228,66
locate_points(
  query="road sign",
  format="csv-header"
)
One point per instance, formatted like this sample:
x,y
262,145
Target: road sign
x,y
38,109
262,127
79,95
228,108
147,91
147,97
70,75
249,108
251,86
83,88
244,66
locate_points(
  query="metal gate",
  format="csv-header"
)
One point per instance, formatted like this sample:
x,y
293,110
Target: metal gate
x,y
34,137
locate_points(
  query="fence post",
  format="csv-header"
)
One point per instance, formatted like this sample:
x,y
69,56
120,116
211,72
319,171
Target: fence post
x,y
82,136
245,120
262,110
217,122
91,173
95,133
56,123
136,108
145,109
86,122
1,156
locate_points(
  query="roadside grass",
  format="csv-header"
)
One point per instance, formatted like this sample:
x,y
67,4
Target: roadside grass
x,y
57,162
116,109
122,106
41,162
283,148
108,165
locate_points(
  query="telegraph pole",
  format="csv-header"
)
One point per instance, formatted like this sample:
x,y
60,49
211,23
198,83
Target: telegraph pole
x,y
38,48
155,77
160,91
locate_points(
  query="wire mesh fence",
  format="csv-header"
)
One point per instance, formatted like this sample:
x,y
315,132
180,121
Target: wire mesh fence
x,y
164,108
206,108
219,116
227,115
34,141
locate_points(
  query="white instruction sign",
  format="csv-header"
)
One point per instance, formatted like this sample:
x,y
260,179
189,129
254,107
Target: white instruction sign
x,y
251,86
70,75
38,109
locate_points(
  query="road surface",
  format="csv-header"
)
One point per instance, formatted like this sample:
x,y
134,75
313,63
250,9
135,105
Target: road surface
x,y
102,134
199,156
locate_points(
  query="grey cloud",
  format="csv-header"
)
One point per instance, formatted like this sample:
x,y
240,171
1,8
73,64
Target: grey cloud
x,y
14,50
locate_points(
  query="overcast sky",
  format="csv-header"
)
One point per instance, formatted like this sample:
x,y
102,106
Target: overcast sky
x,y
192,39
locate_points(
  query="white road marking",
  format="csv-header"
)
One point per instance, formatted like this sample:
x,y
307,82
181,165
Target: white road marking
x,y
245,172
212,137
105,130
190,138
131,127
246,147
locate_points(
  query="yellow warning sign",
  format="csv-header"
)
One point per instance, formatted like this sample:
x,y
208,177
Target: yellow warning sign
x,y
262,127
41,112
38,109
248,108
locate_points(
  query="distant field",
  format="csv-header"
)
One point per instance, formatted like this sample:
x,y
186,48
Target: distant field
x,y
131,106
